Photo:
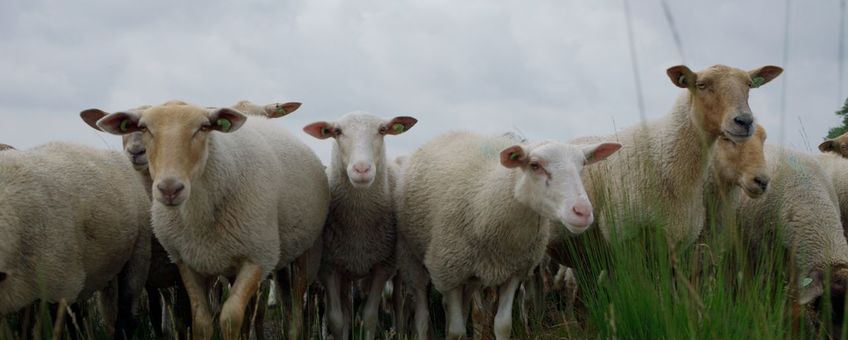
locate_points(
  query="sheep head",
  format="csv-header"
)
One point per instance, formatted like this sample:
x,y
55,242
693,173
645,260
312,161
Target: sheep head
x,y
719,97
743,163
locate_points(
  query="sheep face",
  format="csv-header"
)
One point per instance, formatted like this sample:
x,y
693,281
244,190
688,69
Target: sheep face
x,y
743,163
133,143
550,182
359,149
175,136
719,97
811,291
837,145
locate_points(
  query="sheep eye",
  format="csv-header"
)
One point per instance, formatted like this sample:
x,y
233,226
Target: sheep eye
x,y
383,130
535,166
701,85
750,84
205,128
337,132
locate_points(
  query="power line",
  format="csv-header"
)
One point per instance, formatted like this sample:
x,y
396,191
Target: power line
x,y
785,78
841,51
674,33
635,63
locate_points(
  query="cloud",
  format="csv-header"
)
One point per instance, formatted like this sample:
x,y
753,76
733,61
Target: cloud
x,y
550,69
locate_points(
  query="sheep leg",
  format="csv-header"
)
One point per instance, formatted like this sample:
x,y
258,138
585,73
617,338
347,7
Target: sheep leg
x,y
347,304
379,276
108,306
181,311
398,296
245,287
154,306
503,319
422,314
335,315
453,309
59,325
195,285
299,283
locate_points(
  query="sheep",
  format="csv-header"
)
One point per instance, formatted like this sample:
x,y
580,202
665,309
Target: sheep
x,y
232,197
838,145
475,210
836,166
359,238
665,161
734,168
92,239
802,208
164,274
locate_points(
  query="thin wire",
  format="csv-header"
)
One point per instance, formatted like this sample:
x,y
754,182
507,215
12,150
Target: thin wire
x,y
785,78
674,33
635,63
841,52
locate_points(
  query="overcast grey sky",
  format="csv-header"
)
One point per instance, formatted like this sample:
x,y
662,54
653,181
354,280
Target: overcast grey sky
x,y
555,69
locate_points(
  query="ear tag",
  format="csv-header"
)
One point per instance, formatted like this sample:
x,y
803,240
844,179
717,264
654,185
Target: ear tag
x,y
514,156
224,124
757,82
325,131
805,282
682,80
280,109
399,128
125,125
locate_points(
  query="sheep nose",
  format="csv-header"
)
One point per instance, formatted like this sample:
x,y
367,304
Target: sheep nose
x,y
581,210
744,120
361,168
762,181
135,152
170,188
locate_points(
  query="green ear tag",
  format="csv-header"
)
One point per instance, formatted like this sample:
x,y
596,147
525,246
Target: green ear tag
x,y
125,125
325,131
280,109
806,281
398,127
757,82
224,124
514,156
682,80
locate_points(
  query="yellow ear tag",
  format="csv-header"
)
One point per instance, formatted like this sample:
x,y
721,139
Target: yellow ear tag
x,y
125,125
398,127
757,82
224,124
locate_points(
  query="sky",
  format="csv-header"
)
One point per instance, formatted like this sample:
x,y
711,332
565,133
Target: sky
x,y
547,69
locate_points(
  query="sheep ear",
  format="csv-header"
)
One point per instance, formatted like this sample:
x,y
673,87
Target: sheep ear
x,y
398,125
321,130
91,116
810,288
681,76
764,75
827,146
598,152
277,110
119,123
513,157
226,119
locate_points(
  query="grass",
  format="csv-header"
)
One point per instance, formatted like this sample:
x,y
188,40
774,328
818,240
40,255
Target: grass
x,y
635,288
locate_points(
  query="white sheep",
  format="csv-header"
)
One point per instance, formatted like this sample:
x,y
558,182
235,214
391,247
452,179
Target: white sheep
x,y
65,237
359,238
802,208
735,167
658,176
163,273
478,210
233,196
